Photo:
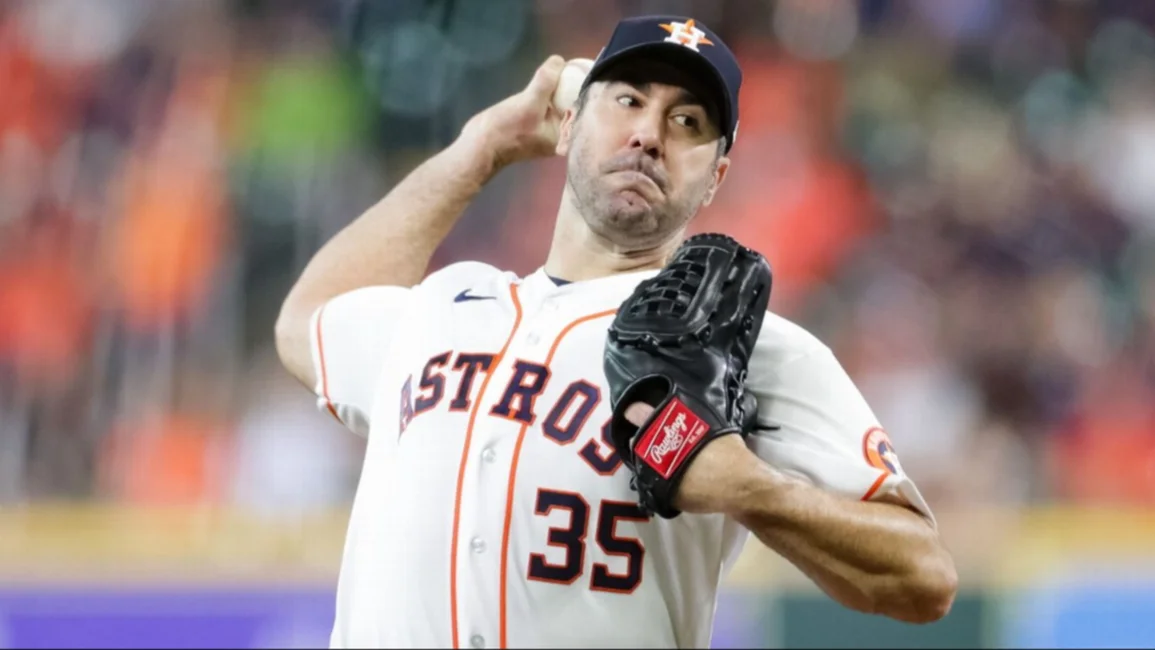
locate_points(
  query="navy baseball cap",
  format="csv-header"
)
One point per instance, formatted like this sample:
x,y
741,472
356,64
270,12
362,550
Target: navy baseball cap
x,y
693,44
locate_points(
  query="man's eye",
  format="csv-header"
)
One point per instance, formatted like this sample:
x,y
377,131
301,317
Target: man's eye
x,y
627,100
688,121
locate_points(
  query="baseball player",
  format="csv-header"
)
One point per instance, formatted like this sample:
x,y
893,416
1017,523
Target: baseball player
x,y
549,459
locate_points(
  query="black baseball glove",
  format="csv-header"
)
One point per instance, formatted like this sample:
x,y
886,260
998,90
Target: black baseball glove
x,y
681,343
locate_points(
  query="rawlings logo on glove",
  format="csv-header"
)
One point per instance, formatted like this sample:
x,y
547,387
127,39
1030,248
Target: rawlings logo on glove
x,y
681,343
665,436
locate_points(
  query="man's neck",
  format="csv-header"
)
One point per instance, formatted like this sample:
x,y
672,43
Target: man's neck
x,y
577,254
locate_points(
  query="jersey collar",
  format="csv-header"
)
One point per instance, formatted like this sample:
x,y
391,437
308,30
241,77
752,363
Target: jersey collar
x,y
599,293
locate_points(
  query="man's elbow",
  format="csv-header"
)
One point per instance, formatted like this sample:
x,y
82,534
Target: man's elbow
x,y
927,592
291,342
284,335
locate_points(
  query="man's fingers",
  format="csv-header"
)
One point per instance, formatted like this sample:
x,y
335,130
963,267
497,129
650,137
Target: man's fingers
x,y
545,79
637,413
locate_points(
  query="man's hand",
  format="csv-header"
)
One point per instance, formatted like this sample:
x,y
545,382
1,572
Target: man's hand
x,y
708,485
681,344
522,126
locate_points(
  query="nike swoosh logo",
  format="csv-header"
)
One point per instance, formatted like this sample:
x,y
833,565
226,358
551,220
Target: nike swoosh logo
x,y
465,295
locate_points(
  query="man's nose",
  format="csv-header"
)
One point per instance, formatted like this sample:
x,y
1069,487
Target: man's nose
x,y
647,136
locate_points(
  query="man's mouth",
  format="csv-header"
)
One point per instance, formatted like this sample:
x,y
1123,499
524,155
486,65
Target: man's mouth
x,y
639,183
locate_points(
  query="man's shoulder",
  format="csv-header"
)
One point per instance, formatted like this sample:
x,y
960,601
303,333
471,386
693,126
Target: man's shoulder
x,y
782,340
457,276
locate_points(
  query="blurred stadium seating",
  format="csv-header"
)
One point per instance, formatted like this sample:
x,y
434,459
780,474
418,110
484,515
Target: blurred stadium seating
x,y
957,196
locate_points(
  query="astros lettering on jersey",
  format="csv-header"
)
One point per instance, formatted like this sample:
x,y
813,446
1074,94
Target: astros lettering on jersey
x,y
492,510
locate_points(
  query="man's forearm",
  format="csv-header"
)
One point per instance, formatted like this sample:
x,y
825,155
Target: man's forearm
x,y
393,241
873,557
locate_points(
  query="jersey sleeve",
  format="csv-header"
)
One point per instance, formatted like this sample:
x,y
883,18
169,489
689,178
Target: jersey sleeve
x,y
351,336
821,429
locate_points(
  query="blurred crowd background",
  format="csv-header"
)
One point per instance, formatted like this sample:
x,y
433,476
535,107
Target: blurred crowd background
x,y
957,195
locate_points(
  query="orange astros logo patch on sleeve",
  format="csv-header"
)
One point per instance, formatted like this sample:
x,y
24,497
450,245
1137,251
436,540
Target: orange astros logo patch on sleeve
x,y
879,451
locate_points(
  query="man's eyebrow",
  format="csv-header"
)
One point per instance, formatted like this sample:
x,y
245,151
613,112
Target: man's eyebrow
x,y
685,97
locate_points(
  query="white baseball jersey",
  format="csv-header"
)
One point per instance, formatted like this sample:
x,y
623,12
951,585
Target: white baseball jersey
x,y
492,510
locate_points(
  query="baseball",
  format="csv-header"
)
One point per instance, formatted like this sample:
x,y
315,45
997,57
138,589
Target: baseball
x,y
570,83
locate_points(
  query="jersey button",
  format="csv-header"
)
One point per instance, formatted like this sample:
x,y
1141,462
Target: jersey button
x,y
488,455
477,641
532,339
477,544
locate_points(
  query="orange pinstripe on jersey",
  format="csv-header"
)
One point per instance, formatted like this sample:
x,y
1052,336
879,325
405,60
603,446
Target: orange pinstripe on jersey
x,y
465,457
513,477
874,488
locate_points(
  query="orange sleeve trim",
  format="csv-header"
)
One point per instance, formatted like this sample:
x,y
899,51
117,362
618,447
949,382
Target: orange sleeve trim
x,y
465,458
502,604
324,375
874,488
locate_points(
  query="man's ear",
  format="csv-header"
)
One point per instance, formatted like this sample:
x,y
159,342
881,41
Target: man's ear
x,y
565,134
720,171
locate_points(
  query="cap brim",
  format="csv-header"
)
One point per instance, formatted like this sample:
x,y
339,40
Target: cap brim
x,y
682,54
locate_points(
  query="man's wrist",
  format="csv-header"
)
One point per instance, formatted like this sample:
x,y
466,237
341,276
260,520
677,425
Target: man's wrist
x,y
477,149
724,478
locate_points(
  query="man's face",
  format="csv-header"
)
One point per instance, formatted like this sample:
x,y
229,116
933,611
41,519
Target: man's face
x,y
643,155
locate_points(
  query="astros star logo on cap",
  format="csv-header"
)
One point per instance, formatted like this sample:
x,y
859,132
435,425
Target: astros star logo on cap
x,y
685,34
